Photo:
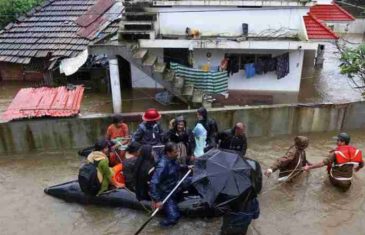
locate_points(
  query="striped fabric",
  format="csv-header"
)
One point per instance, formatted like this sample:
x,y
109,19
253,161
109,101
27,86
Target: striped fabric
x,y
209,82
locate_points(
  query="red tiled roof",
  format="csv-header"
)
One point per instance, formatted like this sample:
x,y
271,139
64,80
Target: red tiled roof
x,y
316,29
44,101
330,12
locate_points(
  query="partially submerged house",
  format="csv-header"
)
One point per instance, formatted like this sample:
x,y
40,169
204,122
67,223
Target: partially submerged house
x,y
195,49
54,37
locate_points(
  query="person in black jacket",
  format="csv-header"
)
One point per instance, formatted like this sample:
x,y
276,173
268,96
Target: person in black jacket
x,y
143,171
234,139
181,136
210,125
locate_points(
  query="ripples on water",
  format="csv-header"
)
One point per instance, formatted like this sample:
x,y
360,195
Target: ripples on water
x,y
310,206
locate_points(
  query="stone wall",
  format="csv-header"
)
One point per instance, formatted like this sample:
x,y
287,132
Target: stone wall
x,y
57,134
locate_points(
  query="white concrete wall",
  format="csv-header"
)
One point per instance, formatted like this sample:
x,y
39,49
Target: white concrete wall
x,y
228,21
264,82
355,27
324,1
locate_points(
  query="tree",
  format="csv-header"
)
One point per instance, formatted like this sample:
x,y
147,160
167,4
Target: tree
x,y
353,64
11,9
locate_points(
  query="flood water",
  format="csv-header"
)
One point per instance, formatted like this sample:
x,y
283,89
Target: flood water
x,y
327,84
134,100
311,206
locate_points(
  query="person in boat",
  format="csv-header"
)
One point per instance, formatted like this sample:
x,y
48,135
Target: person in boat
x,y
149,131
240,211
132,155
291,164
234,139
200,141
180,135
164,179
341,162
106,176
143,171
118,135
210,125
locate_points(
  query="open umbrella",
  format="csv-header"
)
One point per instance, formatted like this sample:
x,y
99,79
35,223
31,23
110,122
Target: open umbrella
x,y
221,172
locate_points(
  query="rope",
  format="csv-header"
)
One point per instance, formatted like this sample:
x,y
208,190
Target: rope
x,y
279,184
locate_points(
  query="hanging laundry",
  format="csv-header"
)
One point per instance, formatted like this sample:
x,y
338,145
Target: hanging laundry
x,y
250,70
271,64
282,65
233,65
260,66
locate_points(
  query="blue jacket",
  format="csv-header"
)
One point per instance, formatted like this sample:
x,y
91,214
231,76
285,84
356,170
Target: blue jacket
x,y
164,179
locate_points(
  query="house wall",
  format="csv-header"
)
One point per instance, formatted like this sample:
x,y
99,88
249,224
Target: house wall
x,y
355,27
19,72
264,82
228,21
9,71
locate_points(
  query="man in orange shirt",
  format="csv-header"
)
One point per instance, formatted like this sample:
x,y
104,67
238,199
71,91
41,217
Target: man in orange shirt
x,y
117,132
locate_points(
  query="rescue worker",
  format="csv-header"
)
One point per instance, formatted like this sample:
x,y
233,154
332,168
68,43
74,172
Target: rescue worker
x,y
118,135
234,139
106,175
181,136
210,125
164,179
341,162
149,131
291,164
242,210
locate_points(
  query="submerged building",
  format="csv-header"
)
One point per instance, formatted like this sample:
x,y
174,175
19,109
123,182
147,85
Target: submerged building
x,y
202,50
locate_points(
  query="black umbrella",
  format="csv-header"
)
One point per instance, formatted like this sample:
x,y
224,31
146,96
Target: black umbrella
x,y
221,172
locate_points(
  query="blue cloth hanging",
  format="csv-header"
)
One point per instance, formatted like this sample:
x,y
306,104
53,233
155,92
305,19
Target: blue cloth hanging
x,y
250,70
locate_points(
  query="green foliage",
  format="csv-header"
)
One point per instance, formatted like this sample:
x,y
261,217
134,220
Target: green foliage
x,y
353,64
11,9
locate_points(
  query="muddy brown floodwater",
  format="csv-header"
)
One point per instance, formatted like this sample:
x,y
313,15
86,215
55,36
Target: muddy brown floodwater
x,y
311,206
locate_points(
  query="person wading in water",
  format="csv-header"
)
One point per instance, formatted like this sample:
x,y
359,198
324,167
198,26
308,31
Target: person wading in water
x,y
290,165
341,162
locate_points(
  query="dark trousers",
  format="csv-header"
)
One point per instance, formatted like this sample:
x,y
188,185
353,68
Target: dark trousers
x,y
236,223
172,213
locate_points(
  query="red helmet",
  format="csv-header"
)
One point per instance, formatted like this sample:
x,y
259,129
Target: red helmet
x,y
151,115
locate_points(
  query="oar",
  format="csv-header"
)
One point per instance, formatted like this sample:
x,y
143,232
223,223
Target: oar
x,y
163,202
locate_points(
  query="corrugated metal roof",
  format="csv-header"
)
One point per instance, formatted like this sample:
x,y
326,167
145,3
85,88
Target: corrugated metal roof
x,y
45,101
317,30
330,12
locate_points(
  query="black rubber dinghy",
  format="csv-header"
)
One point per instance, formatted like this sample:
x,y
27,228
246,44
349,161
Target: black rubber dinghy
x,y
191,206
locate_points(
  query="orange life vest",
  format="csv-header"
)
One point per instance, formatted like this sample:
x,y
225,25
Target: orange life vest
x,y
347,154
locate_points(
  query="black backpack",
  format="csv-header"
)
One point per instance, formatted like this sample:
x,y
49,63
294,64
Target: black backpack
x,y
88,179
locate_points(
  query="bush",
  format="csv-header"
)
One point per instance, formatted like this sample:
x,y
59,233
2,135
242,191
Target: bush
x,y
353,65
11,9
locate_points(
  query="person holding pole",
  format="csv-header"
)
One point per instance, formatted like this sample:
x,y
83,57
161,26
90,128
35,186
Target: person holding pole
x,y
164,179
